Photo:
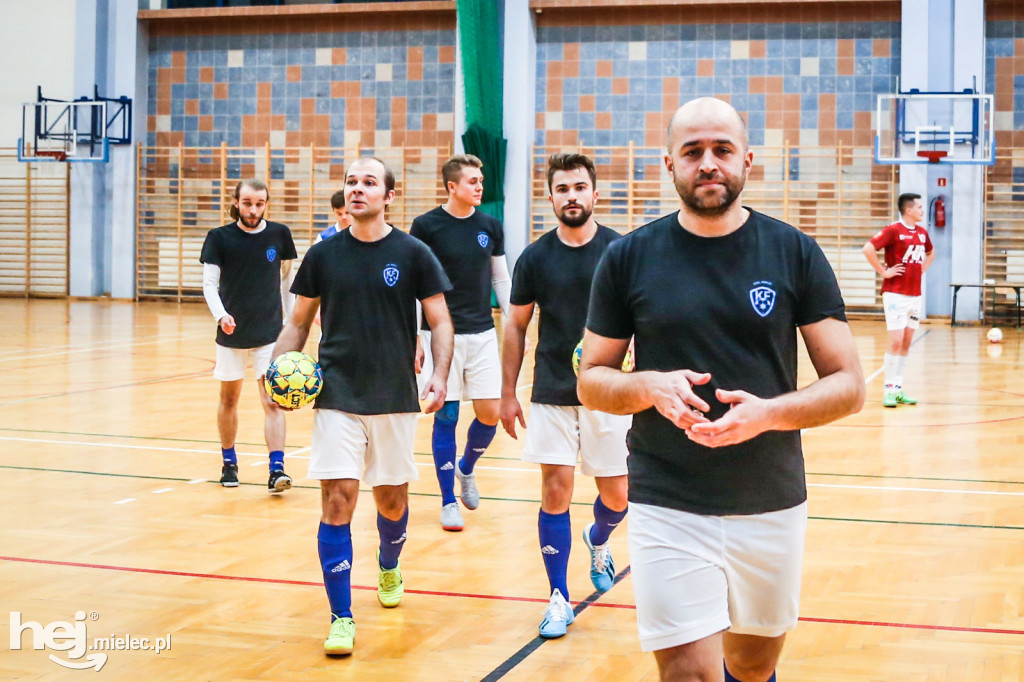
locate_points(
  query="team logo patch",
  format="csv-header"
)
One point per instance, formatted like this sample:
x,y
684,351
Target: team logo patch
x,y
271,254
391,274
483,239
921,237
762,297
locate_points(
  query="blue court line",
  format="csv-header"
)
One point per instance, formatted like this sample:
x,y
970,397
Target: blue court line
x,y
518,657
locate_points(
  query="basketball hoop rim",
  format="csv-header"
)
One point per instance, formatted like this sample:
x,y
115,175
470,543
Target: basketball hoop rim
x,y
933,155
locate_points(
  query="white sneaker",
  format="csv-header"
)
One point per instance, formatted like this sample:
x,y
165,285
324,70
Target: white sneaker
x,y
469,495
451,517
557,617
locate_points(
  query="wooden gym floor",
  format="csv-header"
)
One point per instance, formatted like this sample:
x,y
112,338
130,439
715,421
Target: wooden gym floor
x,y
109,460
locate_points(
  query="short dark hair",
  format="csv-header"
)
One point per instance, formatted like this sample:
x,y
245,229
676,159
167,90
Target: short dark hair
x,y
451,171
338,199
905,200
252,183
389,175
566,161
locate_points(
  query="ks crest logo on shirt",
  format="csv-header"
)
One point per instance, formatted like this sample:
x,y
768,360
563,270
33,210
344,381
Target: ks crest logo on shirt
x,y
483,239
271,254
391,274
762,297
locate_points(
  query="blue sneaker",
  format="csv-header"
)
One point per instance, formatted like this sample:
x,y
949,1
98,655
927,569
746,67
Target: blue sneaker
x,y
558,616
602,566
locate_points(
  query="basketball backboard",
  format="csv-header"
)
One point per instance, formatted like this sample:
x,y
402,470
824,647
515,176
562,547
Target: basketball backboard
x,y
935,127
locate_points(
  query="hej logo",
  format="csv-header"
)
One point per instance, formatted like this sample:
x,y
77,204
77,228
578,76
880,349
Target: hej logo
x,y
59,636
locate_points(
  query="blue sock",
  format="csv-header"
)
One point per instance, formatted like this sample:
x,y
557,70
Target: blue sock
x,y
555,531
229,455
605,521
479,437
730,678
392,538
443,442
277,460
335,545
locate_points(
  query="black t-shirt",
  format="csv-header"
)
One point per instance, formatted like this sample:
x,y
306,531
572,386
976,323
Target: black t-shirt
x,y
465,247
250,280
729,306
368,293
557,278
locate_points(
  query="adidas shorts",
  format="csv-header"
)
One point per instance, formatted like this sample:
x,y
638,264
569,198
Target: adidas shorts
x,y
561,434
697,575
231,362
901,311
475,373
376,449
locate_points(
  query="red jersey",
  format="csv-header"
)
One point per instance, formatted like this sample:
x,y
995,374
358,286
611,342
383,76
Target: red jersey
x,y
907,245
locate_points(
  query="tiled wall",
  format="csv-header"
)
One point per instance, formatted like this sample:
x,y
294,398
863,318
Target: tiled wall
x,y
1004,77
809,83
346,88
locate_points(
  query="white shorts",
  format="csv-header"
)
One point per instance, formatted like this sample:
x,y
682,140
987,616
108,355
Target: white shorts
x,y
375,448
901,312
475,373
697,575
559,434
231,362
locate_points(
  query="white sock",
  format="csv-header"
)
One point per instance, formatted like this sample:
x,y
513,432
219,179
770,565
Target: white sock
x,y
889,367
901,366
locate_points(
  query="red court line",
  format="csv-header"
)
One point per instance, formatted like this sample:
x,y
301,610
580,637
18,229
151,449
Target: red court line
x,y
493,597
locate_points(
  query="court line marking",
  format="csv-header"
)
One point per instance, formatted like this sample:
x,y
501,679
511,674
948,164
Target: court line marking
x,y
881,369
115,345
468,595
102,345
125,446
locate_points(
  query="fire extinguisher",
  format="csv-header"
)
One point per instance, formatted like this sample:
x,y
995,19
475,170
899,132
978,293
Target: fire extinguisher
x,y
937,211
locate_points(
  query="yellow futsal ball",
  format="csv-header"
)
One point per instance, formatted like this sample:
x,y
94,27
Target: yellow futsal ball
x,y
293,379
577,355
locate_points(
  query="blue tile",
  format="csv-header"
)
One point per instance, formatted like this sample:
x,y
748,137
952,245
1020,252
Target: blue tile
x,y
809,102
705,87
755,67
844,88
844,120
883,84
827,84
740,32
791,47
862,84
740,67
654,68
687,32
773,67
882,29
791,84
775,31
1001,29
757,31
775,49
177,108
721,32
791,66
809,85
620,104
809,48
722,49
791,31
862,29
864,101
604,86
603,102
723,67
1000,47
722,84
687,86
741,102
828,32
739,84
826,66
705,49
862,66
846,30
808,119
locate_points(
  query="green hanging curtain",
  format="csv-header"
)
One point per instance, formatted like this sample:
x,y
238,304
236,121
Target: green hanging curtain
x,y
479,36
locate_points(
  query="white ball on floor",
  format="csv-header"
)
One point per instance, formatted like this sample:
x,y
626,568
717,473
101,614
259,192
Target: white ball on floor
x,y
995,335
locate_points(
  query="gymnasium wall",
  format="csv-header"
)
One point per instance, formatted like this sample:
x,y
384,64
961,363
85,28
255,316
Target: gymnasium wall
x,y
44,30
322,81
806,75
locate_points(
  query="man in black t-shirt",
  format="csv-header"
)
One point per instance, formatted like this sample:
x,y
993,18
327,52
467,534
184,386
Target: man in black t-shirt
x,y
471,246
367,280
713,296
555,273
244,265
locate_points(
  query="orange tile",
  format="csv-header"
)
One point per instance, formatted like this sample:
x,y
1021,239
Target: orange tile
x,y
206,74
294,74
844,47
429,121
827,137
880,47
339,56
670,85
263,105
191,107
757,49
337,90
538,121
308,106
862,119
415,55
1004,100
773,119
827,102
206,123
220,90
263,90
278,122
151,124
571,69
571,52
705,67
554,87
554,102
177,75
603,120
773,86
587,102
414,71
791,120
755,85
862,137
555,69
791,102
178,59
604,69
844,66
446,54
826,121
1004,66
620,86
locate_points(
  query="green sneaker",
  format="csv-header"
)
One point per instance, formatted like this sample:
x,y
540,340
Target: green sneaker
x,y
904,399
889,398
341,638
390,587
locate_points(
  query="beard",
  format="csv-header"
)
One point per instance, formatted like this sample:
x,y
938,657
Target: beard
x,y
251,222
714,205
577,220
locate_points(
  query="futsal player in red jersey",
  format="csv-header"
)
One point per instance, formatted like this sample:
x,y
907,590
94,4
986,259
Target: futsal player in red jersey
x,y
908,254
